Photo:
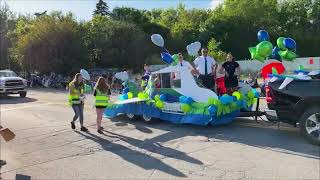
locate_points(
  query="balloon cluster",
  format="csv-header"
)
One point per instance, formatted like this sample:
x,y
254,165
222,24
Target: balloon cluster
x,y
263,49
285,49
186,103
125,96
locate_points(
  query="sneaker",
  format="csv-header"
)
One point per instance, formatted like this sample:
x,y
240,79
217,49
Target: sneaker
x,y
72,125
101,128
83,129
99,131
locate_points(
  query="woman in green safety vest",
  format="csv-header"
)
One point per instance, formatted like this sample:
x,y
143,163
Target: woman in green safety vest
x,y
101,92
76,100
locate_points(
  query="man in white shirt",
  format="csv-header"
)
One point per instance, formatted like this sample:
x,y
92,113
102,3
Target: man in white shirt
x,y
206,68
183,63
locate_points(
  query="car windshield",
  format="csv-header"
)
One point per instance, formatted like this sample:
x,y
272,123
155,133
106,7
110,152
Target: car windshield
x,y
7,74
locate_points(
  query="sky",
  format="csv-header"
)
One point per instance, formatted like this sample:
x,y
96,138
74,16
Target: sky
x,y
83,8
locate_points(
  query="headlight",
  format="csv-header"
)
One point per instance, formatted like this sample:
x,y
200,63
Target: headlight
x,y
2,82
25,82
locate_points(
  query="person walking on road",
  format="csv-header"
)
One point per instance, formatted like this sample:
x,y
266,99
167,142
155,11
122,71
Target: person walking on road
x,y
101,92
76,100
206,66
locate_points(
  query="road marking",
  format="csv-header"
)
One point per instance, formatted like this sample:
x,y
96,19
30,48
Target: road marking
x,y
23,107
38,105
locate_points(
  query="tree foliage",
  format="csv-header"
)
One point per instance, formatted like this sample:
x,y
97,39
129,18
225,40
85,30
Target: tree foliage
x,y
102,8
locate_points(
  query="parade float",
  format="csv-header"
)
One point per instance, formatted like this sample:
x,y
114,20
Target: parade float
x,y
183,100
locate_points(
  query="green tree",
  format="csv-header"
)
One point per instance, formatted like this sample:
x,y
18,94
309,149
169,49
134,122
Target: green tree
x,y
115,43
6,24
215,52
101,8
51,44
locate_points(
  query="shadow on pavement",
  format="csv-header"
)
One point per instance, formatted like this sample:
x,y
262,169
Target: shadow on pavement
x,y
140,159
22,177
15,100
284,141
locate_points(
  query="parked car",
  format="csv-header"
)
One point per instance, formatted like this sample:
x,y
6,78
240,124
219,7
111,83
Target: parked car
x,y
297,104
11,83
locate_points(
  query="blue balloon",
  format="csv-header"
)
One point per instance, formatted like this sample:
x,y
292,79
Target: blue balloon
x,y
125,90
239,103
163,97
166,57
123,97
289,43
189,100
226,99
182,99
212,109
275,54
263,36
256,93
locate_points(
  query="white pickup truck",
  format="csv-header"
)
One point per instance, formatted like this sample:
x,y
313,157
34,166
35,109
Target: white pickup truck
x,y
11,83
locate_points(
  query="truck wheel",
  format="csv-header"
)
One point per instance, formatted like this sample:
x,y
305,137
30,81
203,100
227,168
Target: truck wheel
x,y
131,116
147,118
310,125
23,94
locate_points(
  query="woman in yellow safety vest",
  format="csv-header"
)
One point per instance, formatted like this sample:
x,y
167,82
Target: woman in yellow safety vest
x,y
101,92
76,100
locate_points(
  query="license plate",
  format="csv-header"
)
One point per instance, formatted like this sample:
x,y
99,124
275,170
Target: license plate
x,y
15,92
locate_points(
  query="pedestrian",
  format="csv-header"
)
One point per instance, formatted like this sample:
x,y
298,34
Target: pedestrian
x,y
252,81
76,100
101,93
231,69
206,68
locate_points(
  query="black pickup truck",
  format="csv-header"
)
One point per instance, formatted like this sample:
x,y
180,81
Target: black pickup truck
x,y
297,104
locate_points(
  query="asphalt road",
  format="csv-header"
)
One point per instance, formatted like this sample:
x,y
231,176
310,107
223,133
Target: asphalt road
x,y
46,147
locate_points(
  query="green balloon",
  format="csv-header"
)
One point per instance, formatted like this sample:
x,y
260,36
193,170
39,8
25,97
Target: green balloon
x,y
211,100
159,104
259,58
175,58
250,94
264,49
252,51
280,43
157,97
141,95
186,108
288,55
145,95
237,95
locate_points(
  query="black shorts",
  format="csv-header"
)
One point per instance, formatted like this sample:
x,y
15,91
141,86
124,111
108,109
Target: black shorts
x,y
101,107
231,81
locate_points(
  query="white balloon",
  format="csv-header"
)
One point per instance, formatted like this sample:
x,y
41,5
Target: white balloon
x,y
193,48
123,76
189,49
157,39
85,74
197,45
